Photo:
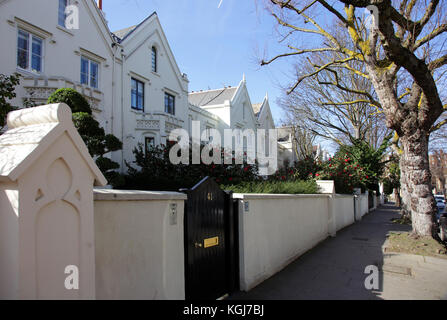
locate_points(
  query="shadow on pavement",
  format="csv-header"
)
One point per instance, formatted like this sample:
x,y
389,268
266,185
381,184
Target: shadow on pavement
x,y
335,268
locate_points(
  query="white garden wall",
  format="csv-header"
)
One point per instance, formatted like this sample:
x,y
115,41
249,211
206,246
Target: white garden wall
x,y
364,204
275,229
139,245
343,211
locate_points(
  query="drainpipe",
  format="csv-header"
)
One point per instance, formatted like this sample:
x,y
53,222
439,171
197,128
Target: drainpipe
x,y
114,48
122,107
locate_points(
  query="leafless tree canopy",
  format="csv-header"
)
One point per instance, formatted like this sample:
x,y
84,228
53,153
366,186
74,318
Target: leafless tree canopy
x,y
399,46
331,105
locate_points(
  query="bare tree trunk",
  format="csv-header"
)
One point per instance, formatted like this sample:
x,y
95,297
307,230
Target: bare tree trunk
x,y
405,198
397,197
417,180
443,186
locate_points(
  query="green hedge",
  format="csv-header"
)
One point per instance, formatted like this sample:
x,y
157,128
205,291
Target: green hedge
x,y
72,98
275,187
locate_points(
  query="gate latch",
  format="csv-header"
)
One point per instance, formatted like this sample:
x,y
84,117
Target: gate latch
x,y
198,245
173,214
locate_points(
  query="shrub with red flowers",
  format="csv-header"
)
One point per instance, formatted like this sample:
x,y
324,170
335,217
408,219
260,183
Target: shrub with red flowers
x,y
153,170
356,166
346,173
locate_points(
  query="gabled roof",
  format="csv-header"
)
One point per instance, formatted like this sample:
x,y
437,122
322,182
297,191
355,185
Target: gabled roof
x,y
130,35
263,112
100,22
212,97
121,34
257,107
124,33
31,132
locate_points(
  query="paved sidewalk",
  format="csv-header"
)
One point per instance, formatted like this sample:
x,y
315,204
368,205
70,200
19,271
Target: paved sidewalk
x,y
335,268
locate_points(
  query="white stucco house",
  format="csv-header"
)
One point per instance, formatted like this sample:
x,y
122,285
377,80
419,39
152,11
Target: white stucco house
x,y
154,97
50,56
130,77
287,148
234,110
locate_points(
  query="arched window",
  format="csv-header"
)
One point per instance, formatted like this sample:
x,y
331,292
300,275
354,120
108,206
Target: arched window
x,y
154,59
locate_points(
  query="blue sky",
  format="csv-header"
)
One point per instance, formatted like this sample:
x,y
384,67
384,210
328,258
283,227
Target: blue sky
x,y
214,46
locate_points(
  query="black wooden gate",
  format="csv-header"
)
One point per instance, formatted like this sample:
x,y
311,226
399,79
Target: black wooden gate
x,y
211,254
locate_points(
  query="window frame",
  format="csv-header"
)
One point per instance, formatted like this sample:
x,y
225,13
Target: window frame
x,y
30,37
167,107
150,138
64,4
137,82
154,59
90,62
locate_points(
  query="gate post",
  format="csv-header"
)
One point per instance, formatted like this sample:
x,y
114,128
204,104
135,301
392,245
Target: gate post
x,y
328,187
46,207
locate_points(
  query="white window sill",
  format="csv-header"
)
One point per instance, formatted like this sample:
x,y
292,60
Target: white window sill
x,y
29,72
65,30
138,112
86,86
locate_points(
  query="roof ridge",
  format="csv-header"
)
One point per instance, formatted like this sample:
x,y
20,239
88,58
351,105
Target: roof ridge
x,y
214,98
138,25
122,29
209,90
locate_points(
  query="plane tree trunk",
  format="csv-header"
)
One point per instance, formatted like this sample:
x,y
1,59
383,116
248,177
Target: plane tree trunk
x,y
412,123
417,178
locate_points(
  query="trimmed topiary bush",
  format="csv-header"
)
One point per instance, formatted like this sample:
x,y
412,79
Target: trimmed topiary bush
x,y
97,141
72,98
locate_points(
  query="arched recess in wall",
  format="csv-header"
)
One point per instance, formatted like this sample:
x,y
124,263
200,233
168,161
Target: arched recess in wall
x,y
57,235
57,246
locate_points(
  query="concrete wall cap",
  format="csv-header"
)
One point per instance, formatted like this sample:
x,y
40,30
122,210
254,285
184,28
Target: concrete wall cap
x,y
31,132
51,113
135,195
276,196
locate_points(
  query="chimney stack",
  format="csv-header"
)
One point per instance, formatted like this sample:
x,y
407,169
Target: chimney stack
x,y
100,4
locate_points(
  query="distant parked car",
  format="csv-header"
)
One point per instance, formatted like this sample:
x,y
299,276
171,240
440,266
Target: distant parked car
x,y
440,203
440,197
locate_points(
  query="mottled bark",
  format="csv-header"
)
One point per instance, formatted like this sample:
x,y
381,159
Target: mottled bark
x,y
405,198
417,178
397,197
409,122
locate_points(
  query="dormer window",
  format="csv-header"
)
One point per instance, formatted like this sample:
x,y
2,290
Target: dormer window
x,y
154,59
